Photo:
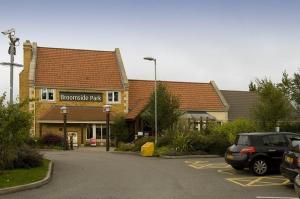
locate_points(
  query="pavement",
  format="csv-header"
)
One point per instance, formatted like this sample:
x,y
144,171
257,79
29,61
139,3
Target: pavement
x,y
90,173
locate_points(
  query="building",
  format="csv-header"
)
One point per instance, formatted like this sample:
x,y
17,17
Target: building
x,y
240,103
82,80
199,102
86,80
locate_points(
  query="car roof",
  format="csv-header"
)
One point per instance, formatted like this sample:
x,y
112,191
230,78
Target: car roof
x,y
268,133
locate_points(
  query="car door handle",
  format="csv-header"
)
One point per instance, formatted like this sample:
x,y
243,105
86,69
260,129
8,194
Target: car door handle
x,y
272,150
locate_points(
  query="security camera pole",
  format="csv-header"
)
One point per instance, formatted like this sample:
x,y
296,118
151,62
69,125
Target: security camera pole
x,y
13,42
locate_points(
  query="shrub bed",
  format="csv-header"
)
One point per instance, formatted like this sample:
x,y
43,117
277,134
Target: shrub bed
x,y
10,178
214,140
125,147
27,158
52,140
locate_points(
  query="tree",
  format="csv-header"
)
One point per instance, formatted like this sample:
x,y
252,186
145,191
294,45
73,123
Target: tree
x,y
252,86
167,109
291,87
15,124
273,106
120,129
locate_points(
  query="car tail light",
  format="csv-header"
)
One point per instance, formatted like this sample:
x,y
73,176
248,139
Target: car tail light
x,y
298,161
248,150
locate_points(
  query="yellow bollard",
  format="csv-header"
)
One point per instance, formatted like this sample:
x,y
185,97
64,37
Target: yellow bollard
x,y
147,149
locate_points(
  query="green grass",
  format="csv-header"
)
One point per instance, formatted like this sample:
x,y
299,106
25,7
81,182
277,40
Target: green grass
x,y
10,178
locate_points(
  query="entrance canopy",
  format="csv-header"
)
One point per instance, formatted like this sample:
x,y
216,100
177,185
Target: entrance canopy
x,y
198,116
76,114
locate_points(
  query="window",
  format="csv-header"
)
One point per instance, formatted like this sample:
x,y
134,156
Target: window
x,y
47,94
243,140
295,146
103,132
98,133
274,140
89,133
113,97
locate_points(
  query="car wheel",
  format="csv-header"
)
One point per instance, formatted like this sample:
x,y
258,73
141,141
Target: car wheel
x,y
259,167
238,167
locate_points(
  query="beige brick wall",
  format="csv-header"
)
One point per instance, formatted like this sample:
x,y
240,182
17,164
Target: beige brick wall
x,y
220,116
57,129
41,107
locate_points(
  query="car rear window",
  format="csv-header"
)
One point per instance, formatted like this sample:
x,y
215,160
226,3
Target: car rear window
x,y
295,146
242,140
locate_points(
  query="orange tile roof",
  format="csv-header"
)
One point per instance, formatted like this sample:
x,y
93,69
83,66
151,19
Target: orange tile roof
x,y
192,96
78,69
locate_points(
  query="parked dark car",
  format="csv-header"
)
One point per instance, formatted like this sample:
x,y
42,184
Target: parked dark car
x,y
291,160
261,152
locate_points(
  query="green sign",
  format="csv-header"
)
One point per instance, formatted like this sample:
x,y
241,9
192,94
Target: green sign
x,y
76,96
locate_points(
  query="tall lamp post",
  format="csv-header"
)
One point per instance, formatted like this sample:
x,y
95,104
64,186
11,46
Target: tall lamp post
x,y
64,111
155,98
13,42
107,111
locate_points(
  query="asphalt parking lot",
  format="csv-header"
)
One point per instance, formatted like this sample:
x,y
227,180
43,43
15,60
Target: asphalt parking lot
x,y
85,174
270,186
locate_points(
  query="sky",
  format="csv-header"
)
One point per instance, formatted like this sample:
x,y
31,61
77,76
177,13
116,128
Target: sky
x,y
229,41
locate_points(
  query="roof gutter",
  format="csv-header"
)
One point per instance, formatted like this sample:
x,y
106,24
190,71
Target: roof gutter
x,y
122,69
222,98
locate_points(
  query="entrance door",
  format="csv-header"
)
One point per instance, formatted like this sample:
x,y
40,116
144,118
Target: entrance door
x,y
75,140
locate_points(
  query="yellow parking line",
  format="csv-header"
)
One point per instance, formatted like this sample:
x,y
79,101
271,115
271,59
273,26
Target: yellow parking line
x,y
254,181
198,166
206,164
233,181
225,171
259,181
195,162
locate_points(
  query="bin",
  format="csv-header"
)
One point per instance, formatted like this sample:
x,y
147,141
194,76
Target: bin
x,y
93,142
147,149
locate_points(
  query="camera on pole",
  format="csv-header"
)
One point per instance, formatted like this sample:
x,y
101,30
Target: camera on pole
x,y
13,42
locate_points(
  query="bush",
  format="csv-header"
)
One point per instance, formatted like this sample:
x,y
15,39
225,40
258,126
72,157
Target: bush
x,y
290,127
230,129
182,142
27,158
199,142
141,141
164,141
165,150
52,140
15,124
217,143
34,142
125,147
120,129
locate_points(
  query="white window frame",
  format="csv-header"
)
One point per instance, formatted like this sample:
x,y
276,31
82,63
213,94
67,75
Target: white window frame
x,y
47,94
113,97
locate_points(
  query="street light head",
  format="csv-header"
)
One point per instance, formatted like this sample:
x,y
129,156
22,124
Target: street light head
x,y
150,58
10,31
107,108
63,110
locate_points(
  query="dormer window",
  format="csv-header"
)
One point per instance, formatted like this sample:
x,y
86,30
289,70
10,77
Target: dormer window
x,y
47,94
113,97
